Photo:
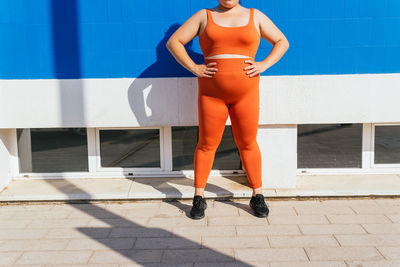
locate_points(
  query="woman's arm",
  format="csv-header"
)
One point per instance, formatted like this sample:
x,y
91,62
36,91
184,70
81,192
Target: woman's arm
x,y
274,36
184,34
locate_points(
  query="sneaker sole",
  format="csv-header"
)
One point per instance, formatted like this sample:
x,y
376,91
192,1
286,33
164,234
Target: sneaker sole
x,y
261,215
257,214
197,218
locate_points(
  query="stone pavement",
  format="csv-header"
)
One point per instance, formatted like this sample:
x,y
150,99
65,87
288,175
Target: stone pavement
x,y
312,232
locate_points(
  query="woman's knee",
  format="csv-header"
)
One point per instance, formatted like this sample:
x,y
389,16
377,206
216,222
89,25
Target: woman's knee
x,y
247,145
207,146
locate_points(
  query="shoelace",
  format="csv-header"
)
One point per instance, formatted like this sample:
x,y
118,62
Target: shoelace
x,y
259,202
197,203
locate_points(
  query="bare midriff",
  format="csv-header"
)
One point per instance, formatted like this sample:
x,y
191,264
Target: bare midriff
x,y
228,56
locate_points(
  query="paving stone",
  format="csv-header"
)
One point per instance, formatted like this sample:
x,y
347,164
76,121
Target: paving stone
x,y
81,232
250,230
388,201
6,214
220,212
120,222
56,223
295,203
83,265
394,217
26,207
8,258
235,242
298,219
369,240
80,206
309,264
55,257
23,234
331,229
137,213
173,221
283,210
47,214
204,230
343,253
302,210
381,263
229,205
127,256
97,213
14,223
377,228
358,218
134,205
391,253
377,209
101,243
34,245
231,264
167,242
271,254
198,255
139,232
237,220
303,241
348,202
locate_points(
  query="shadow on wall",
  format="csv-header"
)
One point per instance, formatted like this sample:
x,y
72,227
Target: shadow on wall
x,y
67,62
148,97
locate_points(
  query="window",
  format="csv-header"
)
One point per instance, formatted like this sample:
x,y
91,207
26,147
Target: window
x,y
329,146
130,148
387,144
52,149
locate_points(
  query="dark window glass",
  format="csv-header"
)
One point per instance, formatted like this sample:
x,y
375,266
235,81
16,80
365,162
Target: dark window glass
x,y
184,142
329,145
52,149
387,144
130,148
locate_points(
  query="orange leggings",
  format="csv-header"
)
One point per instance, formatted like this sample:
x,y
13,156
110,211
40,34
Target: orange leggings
x,y
229,85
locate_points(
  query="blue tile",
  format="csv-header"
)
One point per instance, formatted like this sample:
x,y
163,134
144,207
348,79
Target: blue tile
x,y
92,11
392,8
114,11
392,59
370,60
343,32
126,38
392,31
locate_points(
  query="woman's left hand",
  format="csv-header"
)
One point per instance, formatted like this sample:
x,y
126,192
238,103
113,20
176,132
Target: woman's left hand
x,y
255,68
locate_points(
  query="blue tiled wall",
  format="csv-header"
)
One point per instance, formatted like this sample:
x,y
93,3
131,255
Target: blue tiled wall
x,y
45,39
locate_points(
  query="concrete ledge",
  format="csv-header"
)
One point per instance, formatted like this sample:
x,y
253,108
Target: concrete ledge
x,y
182,188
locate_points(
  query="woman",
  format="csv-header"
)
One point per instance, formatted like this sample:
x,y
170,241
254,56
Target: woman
x,y
228,83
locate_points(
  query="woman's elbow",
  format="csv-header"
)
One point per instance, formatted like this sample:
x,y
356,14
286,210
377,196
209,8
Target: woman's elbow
x,y
169,42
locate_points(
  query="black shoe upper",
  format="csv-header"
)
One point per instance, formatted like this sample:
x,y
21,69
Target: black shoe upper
x,y
199,205
257,203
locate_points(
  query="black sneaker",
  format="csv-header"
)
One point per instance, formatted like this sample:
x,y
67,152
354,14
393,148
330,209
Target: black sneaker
x,y
199,205
260,208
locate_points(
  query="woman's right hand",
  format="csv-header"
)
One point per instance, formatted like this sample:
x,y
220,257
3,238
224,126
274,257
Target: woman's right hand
x,y
205,70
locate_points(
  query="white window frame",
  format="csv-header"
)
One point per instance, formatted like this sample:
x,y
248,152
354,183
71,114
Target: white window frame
x,y
96,171
127,170
380,165
367,158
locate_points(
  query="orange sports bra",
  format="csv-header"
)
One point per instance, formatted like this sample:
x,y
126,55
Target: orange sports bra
x,y
216,39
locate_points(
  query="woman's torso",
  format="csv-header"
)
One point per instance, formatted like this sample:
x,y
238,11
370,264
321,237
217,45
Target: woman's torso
x,y
242,40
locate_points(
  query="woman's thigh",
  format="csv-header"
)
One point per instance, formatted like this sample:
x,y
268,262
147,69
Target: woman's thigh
x,y
212,115
244,115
